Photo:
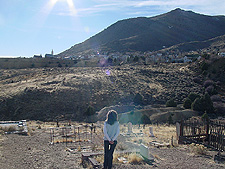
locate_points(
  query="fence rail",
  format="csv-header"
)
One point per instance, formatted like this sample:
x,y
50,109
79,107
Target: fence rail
x,y
210,133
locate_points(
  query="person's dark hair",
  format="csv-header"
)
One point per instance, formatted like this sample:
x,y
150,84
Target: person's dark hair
x,y
111,117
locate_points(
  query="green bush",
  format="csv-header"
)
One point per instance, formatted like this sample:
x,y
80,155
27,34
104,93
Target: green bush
x,y
138,99
171,103
170,119
197,105
90,111
208,104
187,103
204,66
203,104
193,96
145,119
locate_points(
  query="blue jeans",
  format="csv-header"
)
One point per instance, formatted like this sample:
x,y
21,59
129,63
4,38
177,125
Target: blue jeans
x,y
108,153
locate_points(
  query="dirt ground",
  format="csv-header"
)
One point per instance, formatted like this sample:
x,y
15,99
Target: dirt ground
x,y
35,151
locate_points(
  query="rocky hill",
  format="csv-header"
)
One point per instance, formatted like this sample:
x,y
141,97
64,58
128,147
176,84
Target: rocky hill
x,y
153,33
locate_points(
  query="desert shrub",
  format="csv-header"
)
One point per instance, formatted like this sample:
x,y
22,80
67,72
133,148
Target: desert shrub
x,y
138,99
193,96
134,159
171,103
90,111
211,90
208,83
216,98
198,149
197,80
206,56
204,72
204,66
205,117
187,103
219,108
136,59
218,83
59,65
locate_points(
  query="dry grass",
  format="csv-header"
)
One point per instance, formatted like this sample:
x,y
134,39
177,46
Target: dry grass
x,y
134,158
11,128
162,133
198,149
121,146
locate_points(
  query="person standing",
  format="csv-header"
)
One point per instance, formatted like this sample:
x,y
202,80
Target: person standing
x,y
111,131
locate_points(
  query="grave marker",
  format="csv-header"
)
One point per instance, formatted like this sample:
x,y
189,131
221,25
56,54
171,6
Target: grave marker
x,y
144,151
151,132
129,128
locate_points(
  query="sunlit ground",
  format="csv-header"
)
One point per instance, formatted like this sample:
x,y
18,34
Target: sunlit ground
x,y
163,133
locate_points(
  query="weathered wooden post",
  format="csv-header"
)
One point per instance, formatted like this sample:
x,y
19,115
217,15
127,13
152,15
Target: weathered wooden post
x,y
66,136
207,131
179,128
50,135
53,136
74,132
57,122
92,126
78,133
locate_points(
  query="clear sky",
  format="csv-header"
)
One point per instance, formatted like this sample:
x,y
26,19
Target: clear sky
x,y
29,27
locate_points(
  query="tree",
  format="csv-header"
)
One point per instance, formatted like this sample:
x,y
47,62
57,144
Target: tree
x,y
170,119
145,119
138,99
193,96
203,104
136,59
208,104
187,103
197,105
90,111
171,103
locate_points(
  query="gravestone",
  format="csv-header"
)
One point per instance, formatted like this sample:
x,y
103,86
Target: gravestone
x,y
151,132
129,128
144,151
178,130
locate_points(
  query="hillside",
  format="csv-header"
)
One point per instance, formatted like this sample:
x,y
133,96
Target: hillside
x,y
212,45
49,93
153,33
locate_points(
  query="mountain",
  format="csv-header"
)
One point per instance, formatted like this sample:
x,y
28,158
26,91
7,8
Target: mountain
x,y
152,33
211,44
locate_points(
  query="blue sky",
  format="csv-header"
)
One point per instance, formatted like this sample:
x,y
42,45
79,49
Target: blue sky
x,y
29,27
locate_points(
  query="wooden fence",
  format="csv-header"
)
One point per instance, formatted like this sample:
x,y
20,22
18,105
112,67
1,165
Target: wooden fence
x,y
210,133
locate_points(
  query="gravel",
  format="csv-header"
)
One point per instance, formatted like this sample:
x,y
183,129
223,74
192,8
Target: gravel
x,y
26,152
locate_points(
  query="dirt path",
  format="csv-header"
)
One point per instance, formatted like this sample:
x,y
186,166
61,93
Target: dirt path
x,y
26,152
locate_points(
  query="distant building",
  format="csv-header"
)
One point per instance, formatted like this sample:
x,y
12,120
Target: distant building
x,y
49,56
187,60
37,56
222,54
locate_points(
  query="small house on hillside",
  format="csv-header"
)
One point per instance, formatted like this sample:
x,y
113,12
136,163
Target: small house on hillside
x,y
222,54
49,56
37,56
187,60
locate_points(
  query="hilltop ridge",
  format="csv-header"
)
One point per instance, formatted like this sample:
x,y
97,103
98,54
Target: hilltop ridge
x,y
152,33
